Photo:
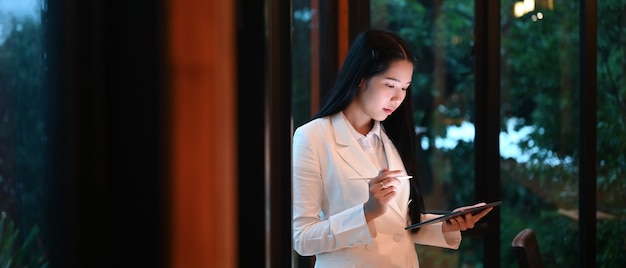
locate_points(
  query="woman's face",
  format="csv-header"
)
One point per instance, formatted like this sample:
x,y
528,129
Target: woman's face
x,y
380,95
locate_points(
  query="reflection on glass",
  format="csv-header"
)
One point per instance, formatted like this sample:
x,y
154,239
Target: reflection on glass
x,y
440,33
22,134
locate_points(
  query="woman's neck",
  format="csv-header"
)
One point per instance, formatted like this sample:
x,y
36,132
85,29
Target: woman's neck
x,y
359,121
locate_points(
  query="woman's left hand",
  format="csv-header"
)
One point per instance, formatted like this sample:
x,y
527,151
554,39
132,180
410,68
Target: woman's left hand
x,y
464,222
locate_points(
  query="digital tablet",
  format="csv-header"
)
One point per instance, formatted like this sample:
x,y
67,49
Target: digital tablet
x,y
447,216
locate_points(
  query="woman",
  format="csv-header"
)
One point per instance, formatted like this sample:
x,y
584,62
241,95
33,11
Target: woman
x,y
365,130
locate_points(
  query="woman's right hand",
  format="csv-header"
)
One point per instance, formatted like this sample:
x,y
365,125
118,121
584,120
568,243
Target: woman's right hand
x,y
382,190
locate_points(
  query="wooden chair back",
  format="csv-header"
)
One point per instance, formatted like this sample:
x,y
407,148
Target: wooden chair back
x,y
527,249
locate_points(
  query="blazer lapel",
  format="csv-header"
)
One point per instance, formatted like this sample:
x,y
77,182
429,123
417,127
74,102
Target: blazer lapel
x,y
350,150
395,163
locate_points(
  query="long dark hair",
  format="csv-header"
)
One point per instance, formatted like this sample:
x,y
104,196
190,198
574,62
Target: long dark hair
x,y
371,53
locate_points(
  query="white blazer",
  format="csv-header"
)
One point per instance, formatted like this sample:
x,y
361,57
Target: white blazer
x,y
328,217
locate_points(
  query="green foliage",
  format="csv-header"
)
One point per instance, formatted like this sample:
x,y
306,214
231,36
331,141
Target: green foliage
x,y
611,114
16,254
22,69
22,139
541,76
540,81
611,250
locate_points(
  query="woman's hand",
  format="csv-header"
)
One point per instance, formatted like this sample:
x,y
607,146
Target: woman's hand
x,y
382,190
464,222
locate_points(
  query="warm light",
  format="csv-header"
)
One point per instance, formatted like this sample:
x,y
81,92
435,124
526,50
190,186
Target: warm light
x,y
518,9
521,8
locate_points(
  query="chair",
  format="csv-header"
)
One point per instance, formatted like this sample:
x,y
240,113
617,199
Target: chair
x,y
527,249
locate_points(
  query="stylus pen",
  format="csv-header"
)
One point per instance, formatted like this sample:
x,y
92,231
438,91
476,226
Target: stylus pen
x,y
366,179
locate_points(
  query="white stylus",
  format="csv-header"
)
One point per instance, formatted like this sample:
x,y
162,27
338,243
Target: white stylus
x,y
365,179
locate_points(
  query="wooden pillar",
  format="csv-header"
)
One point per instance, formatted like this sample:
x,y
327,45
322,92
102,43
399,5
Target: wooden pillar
x,y
202,48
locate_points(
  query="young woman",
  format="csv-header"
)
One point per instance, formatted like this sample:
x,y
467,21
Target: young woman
x,y
365,130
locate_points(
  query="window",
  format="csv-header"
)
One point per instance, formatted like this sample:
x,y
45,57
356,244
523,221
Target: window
x,y
540,120
305,57
539,143
23,134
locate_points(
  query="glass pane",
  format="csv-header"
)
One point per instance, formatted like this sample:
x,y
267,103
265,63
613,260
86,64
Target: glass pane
x,y
22,134
611,116
539,142
440,33
305,57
